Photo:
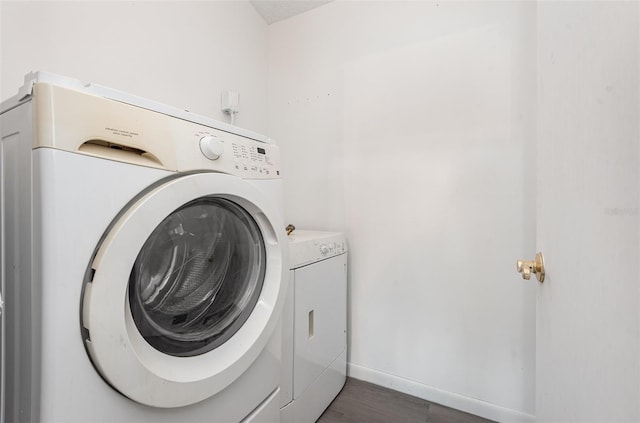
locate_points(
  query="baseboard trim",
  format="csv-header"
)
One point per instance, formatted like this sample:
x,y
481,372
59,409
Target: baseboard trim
x,y
429,393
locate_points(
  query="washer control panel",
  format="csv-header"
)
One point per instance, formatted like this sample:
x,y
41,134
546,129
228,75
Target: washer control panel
x,y
229,153
307,247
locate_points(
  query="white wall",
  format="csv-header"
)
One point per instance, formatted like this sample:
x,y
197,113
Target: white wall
x,y
411,126
180,53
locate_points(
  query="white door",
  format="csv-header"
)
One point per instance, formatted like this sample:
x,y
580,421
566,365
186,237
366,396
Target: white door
x,y
588,352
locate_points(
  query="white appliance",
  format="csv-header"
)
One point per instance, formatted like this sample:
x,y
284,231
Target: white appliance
x,y
144,261
314,325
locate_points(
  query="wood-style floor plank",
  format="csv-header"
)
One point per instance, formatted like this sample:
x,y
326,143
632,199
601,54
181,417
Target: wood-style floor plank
x,y
364,402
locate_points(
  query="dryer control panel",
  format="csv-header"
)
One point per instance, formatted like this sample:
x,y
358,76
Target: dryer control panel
x,y
311,246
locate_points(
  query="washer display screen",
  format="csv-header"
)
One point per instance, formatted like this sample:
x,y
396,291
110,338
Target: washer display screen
x,y
198,277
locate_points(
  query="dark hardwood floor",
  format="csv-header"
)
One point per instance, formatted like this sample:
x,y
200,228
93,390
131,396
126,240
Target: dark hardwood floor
x,y
364,402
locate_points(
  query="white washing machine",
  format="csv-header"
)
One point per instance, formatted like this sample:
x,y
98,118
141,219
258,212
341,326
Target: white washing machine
x,y
144,261
314,325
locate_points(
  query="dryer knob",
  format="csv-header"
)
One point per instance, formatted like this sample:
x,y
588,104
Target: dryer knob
x,y
211,147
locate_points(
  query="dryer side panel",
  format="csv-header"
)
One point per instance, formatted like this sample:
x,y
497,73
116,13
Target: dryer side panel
x,y
286,370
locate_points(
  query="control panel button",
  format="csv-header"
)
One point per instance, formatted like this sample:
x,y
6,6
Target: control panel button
x,y
211,147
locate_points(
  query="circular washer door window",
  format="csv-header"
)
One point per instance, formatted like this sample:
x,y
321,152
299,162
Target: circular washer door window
x,y
186,289
197,277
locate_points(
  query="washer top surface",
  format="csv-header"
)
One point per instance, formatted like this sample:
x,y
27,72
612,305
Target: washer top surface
x,y
101,91
307,246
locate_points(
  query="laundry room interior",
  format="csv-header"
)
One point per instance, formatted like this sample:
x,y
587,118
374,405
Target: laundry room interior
x,y
414,128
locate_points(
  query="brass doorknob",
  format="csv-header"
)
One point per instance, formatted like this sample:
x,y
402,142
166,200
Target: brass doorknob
x,y
536,266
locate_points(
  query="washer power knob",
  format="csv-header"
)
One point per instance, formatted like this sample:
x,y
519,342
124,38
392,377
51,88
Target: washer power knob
x,y
324,250
211,147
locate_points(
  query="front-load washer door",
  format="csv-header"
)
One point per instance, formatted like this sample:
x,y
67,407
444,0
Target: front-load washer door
x,y
185,289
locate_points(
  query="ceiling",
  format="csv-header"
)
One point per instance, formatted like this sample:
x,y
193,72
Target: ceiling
x,y
277,10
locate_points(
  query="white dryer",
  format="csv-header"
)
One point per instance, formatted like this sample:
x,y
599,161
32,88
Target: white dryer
x,y
144,261
314,325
